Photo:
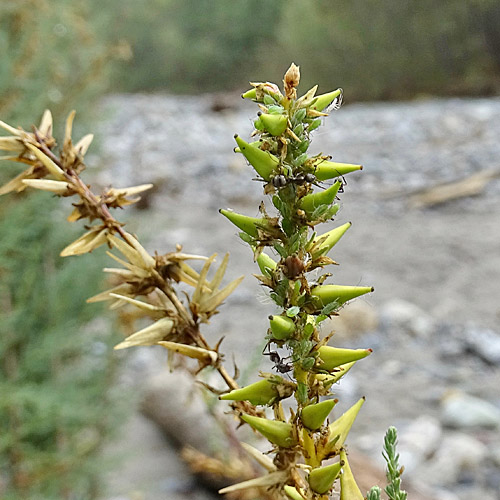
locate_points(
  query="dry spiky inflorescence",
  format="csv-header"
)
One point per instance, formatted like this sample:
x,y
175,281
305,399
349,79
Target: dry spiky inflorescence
x,y
143,281
302,441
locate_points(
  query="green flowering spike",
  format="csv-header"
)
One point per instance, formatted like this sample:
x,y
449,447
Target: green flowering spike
x,y
331,357
322,478
250,94
339,429
280,433
313,416
274,124
247,224
324,243
292,492
326,197
282,327
324,100
263,392
324,170
326,294
348,488
266,263
263,162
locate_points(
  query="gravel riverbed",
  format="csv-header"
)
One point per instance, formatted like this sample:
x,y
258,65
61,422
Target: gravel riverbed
x,y
433,318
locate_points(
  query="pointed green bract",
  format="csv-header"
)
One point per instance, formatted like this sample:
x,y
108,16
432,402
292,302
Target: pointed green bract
x,y
340,371
340,294
263,162
254,143
282,327
274,124
324,243
266,263
250,94
313,416
348,488
247,224
262,392
322,478
292,492
339,429
280,433
326,197
324,100
332,357
324,170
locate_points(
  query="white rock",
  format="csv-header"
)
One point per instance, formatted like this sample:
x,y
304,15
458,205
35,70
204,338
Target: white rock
x,y
461,410
418,441
456,454
408,317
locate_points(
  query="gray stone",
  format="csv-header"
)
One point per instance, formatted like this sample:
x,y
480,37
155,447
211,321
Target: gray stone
x,y
461,410
485,343
457,453
409,317
418,441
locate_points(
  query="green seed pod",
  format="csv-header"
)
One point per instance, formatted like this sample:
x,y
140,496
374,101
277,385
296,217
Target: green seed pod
x,y
313,416
325,170
258,125
332,357
292,492
326,294
254,143
266,263
263,392
247,224
250,94
280,433
274,124
282,327
322,478
340,371
263,162
339,429
324,243
268,100
324,100
349,490
326,197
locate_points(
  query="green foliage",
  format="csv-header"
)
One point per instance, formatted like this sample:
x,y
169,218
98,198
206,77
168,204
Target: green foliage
x,y
389,49
394,471
190,45
52,55
55,376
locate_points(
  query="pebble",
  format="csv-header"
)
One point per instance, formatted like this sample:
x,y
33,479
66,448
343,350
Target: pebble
x,y
407,317
485,343
460,410
458,458
418,441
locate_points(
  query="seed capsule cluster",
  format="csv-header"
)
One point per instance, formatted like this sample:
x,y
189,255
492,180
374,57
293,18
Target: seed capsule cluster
x,y
295,182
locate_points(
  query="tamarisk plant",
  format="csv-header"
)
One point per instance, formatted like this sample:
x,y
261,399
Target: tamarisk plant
x,y
304,441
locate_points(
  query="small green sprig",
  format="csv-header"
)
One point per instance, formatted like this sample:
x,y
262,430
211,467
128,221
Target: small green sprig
x,y
374,493
394,471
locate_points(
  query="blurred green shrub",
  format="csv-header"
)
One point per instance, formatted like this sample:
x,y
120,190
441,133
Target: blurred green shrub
x,y
55,409
55,372
379,50
53,55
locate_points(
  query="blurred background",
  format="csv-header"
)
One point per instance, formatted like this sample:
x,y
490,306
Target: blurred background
x,y
158,81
